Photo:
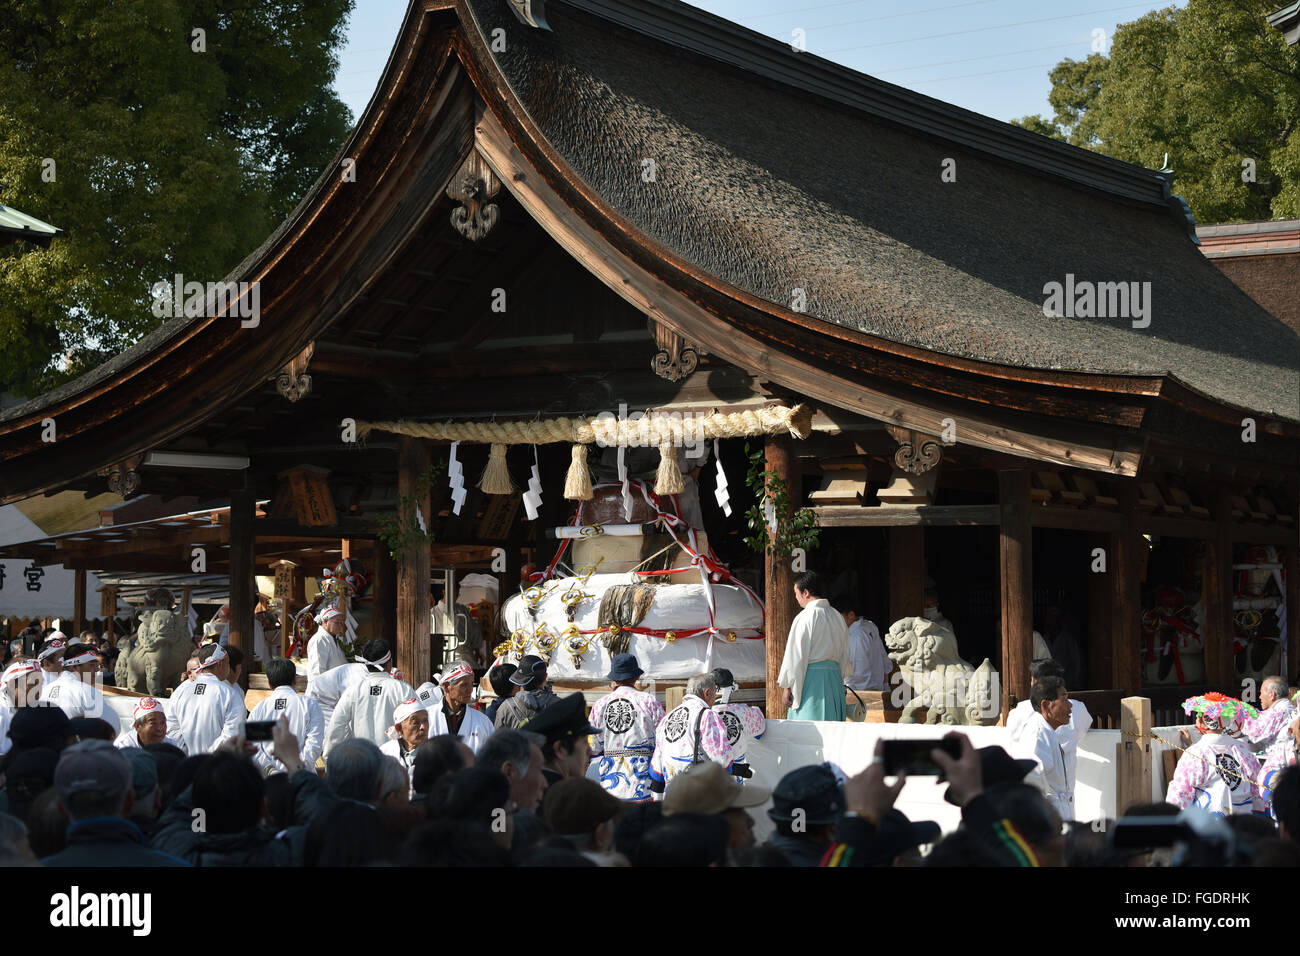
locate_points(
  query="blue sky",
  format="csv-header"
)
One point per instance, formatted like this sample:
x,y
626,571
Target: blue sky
x,y
990,56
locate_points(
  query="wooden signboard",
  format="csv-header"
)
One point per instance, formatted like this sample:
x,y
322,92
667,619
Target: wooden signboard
x,y
500,513
309,492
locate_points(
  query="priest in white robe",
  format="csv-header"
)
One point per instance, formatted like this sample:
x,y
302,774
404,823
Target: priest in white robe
x,y
816,656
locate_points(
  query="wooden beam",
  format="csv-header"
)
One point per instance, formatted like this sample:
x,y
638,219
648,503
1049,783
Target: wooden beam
x,y
906,572
1017,580
1216,592
779,577
1124,563
1074,519
242,507
897,516
413,618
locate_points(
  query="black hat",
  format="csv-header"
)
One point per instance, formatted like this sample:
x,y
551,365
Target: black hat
x,y
39,726
565,718
530,668
624,667
997,766
814,790
897,834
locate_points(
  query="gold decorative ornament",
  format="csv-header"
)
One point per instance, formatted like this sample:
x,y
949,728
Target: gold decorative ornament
x,y
670,636
731,636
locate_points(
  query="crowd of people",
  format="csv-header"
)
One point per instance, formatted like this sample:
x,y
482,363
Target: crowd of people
x,y
363,769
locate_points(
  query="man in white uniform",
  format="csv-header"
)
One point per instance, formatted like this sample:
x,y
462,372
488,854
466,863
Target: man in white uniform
x,y
366,708
73,690
626,721
148,726
690,733
1036,740
303,713
454,715
20,686
1218,773
1080,719
327,688
1275,715
410,729
816,656
869,664
323,650
206,712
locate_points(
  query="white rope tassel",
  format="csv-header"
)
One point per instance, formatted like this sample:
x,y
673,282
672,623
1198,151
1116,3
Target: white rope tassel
x,y
721,493
457,476
622,476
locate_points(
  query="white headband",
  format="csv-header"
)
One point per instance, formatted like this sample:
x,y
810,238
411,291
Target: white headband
x,y
218,655
456,673
20,669
379,663
85,657
53,647
403,710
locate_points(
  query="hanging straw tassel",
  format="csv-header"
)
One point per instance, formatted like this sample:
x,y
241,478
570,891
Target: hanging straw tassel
x,y
496,477
577,483
669,479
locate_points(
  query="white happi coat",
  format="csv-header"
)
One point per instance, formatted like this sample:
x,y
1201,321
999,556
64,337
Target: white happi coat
x,y
74,698
366,709
1218,773
675,745
474,731
1270,727
323,653
1055,774
204,713
817,633
1069,735
128,738
869,664
327,688
627,720
305,720
744,723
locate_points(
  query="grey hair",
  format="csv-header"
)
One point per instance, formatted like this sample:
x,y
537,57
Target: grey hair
x,y
509,746
1278,685
701,684
355,769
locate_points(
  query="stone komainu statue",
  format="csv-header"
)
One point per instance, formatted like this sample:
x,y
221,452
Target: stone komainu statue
x,y
950,689
160,648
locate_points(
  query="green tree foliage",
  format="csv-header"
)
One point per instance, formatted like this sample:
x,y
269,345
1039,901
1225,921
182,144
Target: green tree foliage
x,y
165,158
1212,85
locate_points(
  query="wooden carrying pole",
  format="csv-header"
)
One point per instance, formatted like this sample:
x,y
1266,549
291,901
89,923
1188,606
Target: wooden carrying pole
x,y
1133,769
779,594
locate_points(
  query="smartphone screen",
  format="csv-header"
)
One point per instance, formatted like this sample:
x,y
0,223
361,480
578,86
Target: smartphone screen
x,y
913,756
258,730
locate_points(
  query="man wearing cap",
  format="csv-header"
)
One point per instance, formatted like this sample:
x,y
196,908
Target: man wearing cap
x,y
454,715
745,723
148,726
304,714
707,788
1037,739
95,791
578,810
207,711
816,656
624,739
366,708
73,689
323,650
566,752
410,729
533,696
690,733
20,686
327,688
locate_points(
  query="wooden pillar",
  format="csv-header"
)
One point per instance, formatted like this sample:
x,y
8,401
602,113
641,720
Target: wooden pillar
x,y
79,600
1017,580
384,609
1216,585
1133,770
1124,562
778,575
906,573
1100,623
412,652
242,508
1291,568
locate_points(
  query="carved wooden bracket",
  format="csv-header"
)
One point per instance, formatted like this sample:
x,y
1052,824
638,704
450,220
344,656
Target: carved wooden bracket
x,y
917,452
123,477
292,381
676,358
473,186
531,12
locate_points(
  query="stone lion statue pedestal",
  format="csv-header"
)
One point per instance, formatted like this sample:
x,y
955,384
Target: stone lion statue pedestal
x,y
950,690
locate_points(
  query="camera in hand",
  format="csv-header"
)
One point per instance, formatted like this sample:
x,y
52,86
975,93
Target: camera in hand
x,y
913,756
258,730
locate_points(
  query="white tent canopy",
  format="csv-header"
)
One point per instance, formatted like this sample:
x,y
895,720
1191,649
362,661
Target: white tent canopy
x,y
47,594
